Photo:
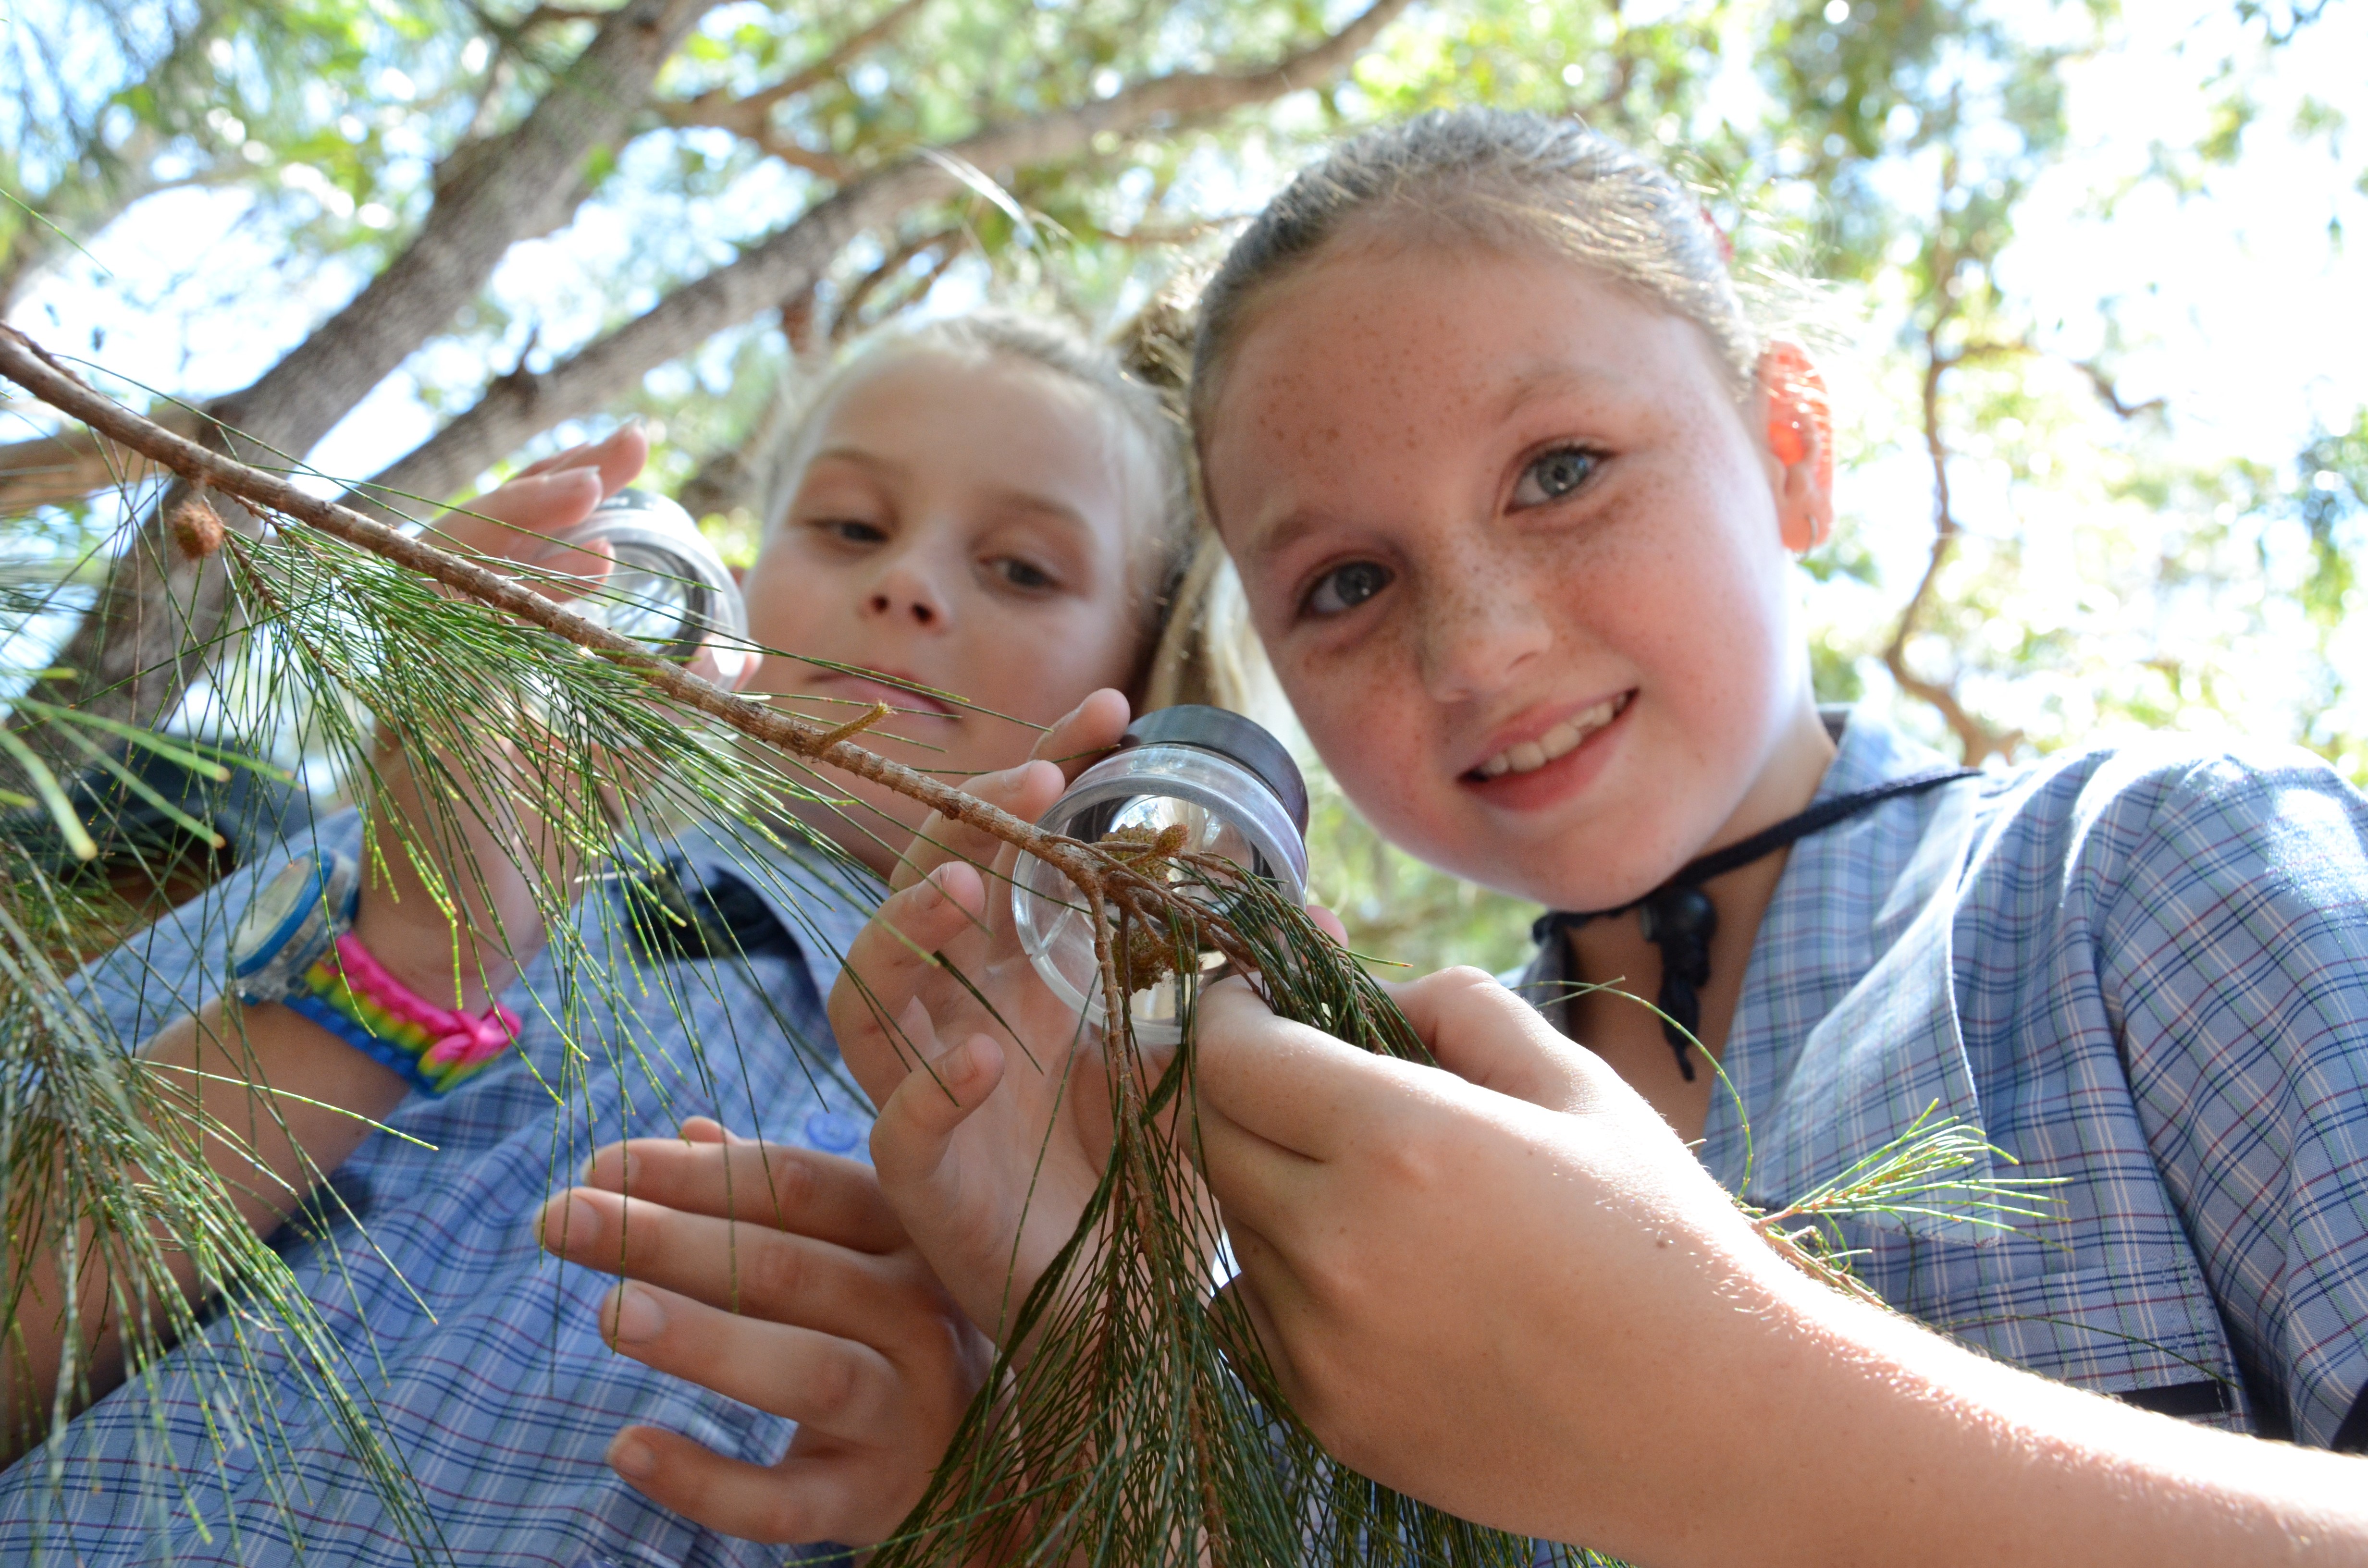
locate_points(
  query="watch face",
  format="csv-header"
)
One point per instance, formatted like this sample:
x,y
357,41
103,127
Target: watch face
x,y
280,906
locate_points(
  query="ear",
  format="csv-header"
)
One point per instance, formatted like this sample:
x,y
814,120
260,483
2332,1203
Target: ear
x,y
1800,439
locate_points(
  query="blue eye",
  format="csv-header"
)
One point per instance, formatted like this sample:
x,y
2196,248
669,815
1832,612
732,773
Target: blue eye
x,y
1554,475
1345,587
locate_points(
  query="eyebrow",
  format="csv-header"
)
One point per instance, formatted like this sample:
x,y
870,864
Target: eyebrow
x,y
1282,537
1043,505
1545,379
858,456
1529,383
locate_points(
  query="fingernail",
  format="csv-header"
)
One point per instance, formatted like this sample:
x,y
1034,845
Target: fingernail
x,y
634,1316
630,1457
928,896
568,1224
953,1064
623,1168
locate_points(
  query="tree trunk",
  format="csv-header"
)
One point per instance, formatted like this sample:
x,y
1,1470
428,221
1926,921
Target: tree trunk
x,y
163,612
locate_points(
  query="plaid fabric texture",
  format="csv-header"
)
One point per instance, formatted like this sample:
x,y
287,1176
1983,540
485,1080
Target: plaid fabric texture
x,y
491,1382
2142,974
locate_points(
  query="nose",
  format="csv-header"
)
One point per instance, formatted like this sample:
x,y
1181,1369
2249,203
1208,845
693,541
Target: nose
x,y
907,593
1477,628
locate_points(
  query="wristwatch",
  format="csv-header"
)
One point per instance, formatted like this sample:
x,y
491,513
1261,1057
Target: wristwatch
x,y
295,947
296,918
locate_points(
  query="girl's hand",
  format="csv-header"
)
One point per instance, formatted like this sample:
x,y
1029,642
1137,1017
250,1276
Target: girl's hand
x,y
1494,1286
1508,1290
987,1145
814,1306
483,849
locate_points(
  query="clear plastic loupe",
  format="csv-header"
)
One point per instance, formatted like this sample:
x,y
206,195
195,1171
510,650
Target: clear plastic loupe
x,y
668,589
1233,791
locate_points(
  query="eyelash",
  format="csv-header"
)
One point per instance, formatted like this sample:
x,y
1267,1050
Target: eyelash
x,y
1003,566
1589,455
1307,606
849,530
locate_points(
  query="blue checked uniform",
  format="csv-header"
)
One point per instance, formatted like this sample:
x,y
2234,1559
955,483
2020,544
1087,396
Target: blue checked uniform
x,y
2142,974
491,1382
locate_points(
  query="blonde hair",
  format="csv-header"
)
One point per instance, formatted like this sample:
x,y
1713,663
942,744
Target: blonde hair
x,y
1501,179
1140,380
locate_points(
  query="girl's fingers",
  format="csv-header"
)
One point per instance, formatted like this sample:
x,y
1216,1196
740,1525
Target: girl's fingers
x,y
803,1190
1085,734
1026,791
790,1504
515,519
740,1267
832,1384
1258,1184
1265,1285
619,455
911,1141
1073,744
1486,1035
872,1008
1296,1087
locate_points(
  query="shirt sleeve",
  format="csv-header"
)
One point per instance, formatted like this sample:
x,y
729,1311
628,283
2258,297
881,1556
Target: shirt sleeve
x,y
179,963
2234,952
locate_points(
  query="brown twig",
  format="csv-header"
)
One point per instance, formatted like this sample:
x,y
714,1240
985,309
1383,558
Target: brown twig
x,y
30,366
1099,878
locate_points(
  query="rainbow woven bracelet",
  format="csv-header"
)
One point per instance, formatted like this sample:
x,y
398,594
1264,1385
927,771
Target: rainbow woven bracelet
x,y
350,994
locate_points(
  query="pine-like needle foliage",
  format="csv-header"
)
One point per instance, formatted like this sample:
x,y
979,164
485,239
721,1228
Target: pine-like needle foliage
x,y
1140,1422
567,764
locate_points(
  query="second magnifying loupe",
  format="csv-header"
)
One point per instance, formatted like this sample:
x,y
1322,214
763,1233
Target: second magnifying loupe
x,y
1230,787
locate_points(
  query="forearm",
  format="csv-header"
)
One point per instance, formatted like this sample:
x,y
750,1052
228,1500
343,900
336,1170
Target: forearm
x,y
271,1101
1869,1439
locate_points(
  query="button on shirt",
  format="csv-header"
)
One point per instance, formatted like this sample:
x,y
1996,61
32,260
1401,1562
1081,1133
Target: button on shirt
x,y
477,1353
2144,975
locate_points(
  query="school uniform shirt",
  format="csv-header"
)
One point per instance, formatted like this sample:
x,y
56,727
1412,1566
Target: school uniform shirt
x,y
2141,974
475,1354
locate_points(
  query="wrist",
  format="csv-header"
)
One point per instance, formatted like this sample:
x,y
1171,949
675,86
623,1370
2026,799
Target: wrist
x,y
296,946
431,957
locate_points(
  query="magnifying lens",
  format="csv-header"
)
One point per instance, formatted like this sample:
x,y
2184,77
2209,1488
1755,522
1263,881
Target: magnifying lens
x,y
668,589
1233,791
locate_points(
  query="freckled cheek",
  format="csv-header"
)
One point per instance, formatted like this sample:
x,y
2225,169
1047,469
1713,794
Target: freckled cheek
x,y
1366,713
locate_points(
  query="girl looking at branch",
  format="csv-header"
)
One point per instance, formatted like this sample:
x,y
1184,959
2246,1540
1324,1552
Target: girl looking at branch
x,y
986,506
1514,483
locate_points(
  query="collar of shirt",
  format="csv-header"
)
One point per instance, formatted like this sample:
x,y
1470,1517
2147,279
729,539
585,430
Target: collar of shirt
x,y
820,898
1820,1065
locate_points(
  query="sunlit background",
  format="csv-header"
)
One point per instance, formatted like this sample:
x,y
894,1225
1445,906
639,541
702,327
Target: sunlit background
x,y
2101,268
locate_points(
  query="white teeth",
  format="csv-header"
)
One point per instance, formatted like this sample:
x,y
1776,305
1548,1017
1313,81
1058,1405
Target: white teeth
x,y
1529,756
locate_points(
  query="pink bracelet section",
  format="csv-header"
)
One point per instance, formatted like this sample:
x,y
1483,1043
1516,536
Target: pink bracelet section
x,y
455,1041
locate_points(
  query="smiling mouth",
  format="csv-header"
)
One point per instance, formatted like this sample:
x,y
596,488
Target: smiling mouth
x,y
1560,741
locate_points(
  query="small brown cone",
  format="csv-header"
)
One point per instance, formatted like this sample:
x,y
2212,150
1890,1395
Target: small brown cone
x,y
196,527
